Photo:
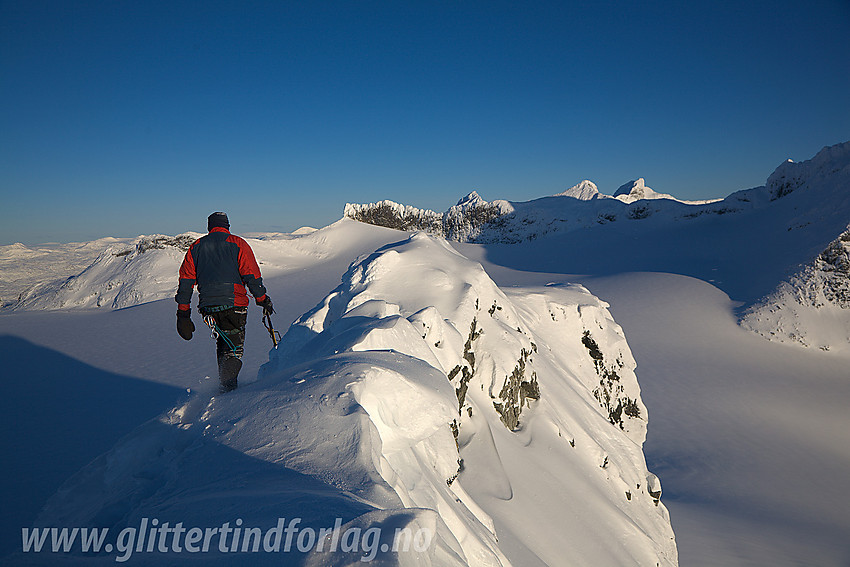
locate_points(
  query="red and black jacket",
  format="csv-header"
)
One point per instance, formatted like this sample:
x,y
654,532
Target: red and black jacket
x,y
222,265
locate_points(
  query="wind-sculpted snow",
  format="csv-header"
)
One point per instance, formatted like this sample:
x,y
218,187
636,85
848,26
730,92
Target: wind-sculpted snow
x,y
418,394
518,382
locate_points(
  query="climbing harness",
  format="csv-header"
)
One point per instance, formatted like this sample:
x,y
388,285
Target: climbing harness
x,y
215,331
267,323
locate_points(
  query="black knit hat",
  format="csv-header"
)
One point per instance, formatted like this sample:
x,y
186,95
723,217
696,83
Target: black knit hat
x,y
217,220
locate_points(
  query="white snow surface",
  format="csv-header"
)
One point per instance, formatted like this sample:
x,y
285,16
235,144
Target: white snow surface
x,y
23,266
120,276
421,299
353,417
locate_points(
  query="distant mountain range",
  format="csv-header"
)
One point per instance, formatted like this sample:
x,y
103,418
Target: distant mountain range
x,y
781,244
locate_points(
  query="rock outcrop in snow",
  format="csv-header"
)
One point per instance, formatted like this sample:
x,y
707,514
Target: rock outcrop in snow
x,y
462,222
811,308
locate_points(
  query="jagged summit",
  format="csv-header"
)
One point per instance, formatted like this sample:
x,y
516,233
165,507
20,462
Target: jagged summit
x,y
584,191
637,190
471,200
636,187
831,161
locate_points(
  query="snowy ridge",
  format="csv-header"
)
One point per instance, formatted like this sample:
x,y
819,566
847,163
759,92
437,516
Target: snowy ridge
x,y
417,394
23,266
120,276
462,222
117,273
749,243
811,308
513,375
473,219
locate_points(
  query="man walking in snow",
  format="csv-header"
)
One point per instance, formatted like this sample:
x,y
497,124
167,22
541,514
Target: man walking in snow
x,y
222,265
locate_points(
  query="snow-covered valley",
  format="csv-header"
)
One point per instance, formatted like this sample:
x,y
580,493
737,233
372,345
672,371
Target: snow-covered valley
x,y
495,393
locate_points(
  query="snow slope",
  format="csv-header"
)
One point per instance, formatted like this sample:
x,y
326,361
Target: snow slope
x,y
356,414
812,307
500,351
120,276
22,266
749,436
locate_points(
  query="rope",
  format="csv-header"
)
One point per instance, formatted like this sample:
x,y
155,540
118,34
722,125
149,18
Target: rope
x,y
216,332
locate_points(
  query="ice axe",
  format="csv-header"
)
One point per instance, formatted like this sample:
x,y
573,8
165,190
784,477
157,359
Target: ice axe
x,y
267,323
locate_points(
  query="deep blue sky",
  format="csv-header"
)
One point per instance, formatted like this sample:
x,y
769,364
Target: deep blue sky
x,y
123,118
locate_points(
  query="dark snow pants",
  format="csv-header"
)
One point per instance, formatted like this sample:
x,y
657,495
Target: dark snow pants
x,y
230,326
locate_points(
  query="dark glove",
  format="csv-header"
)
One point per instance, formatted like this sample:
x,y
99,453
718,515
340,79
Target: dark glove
x,y
266,304
185,327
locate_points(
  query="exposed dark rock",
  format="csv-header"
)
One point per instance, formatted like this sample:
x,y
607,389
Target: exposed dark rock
x,y
468,369
610,393
519,386
158,242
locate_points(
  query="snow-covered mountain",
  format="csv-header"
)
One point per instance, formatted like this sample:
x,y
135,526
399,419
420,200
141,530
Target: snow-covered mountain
x,y
812,307
782,234
473,219
22,267
122,275
119,273
417,394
